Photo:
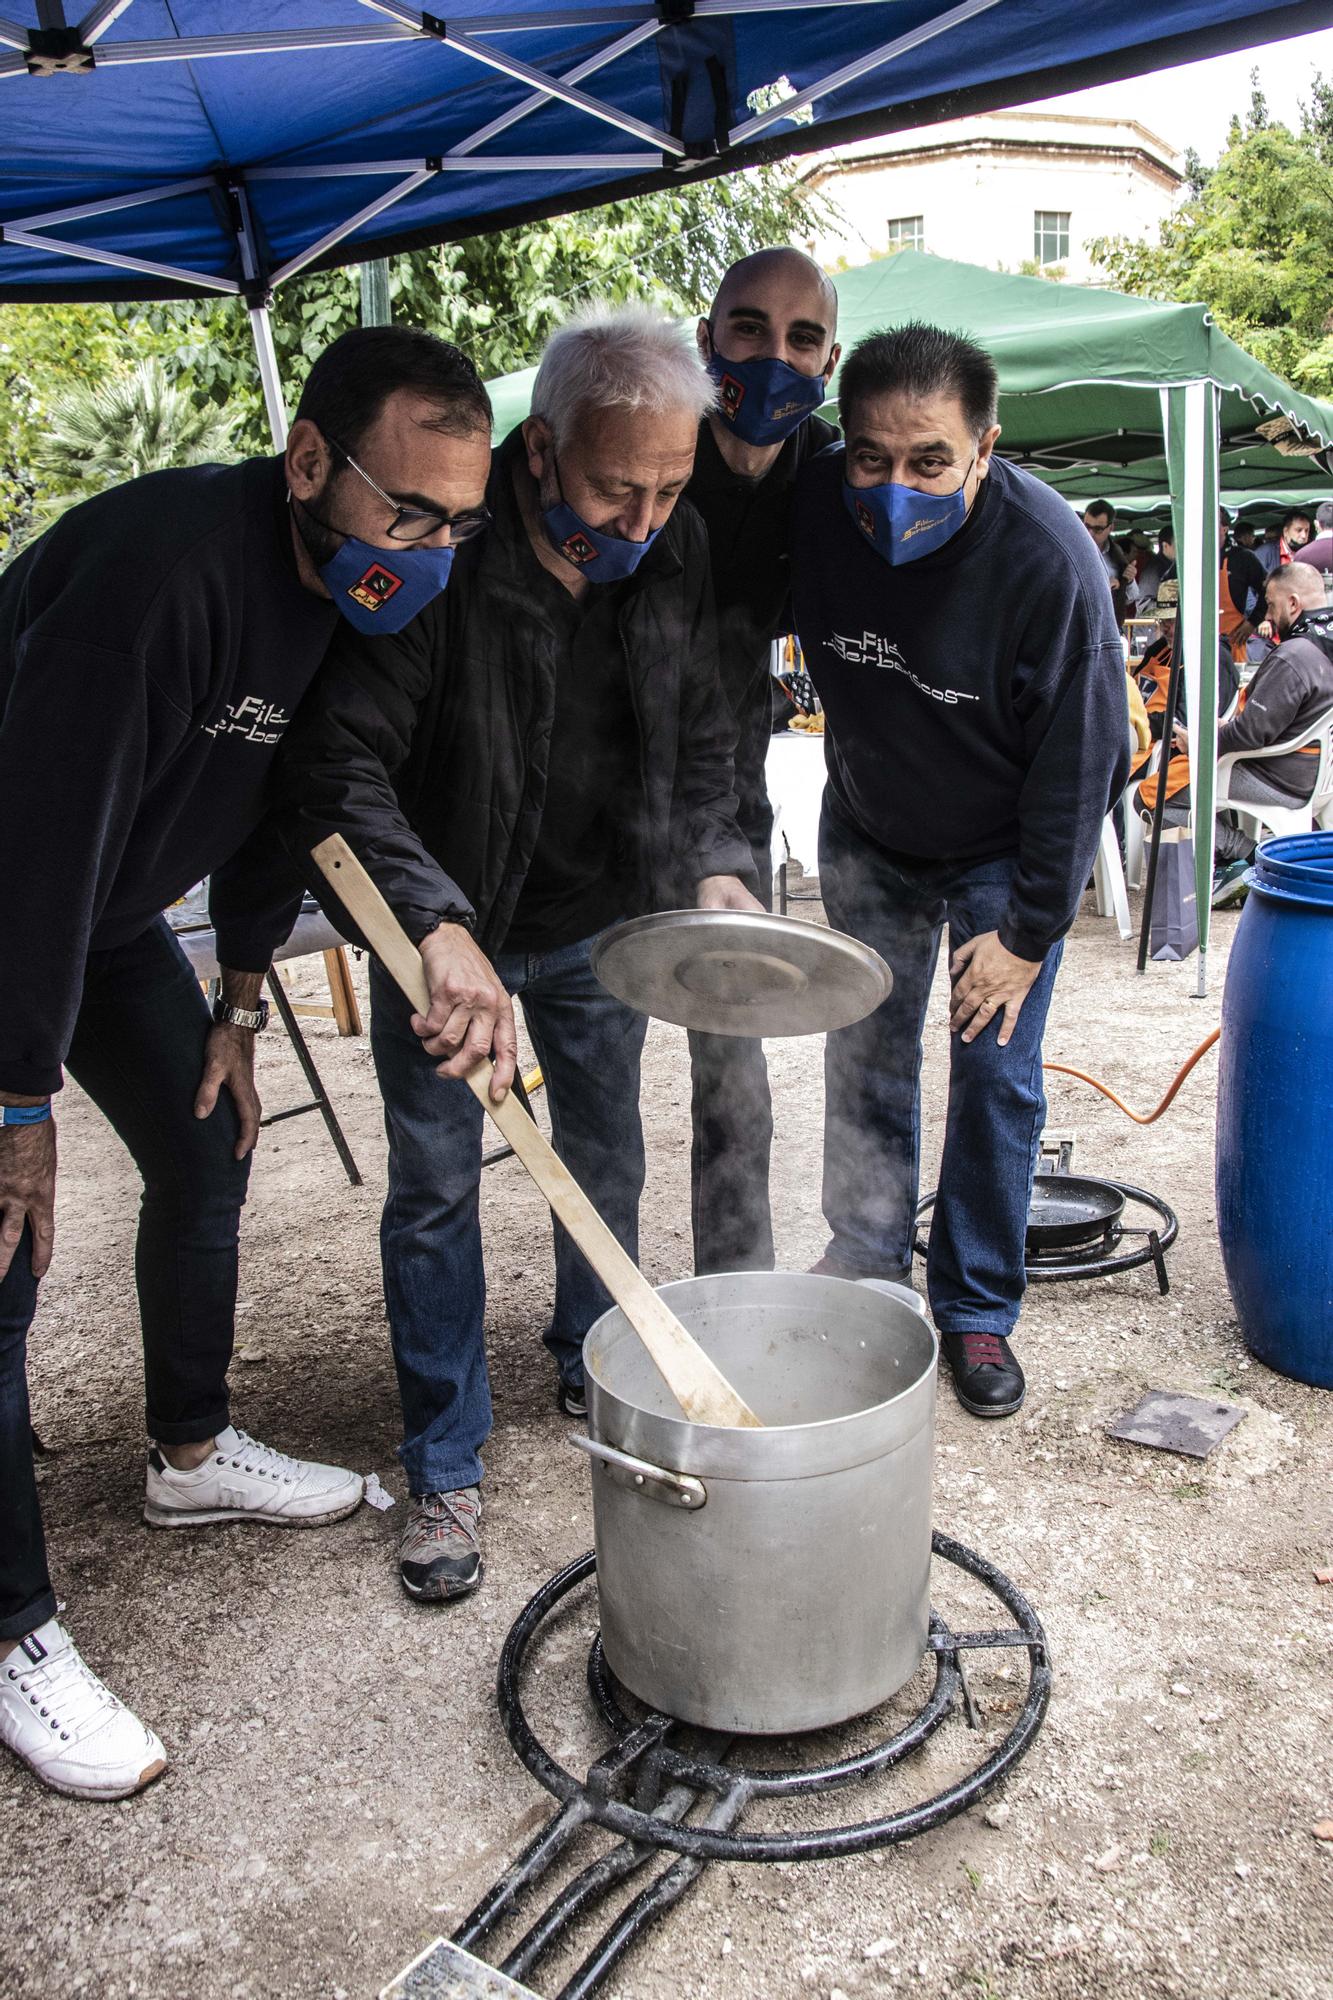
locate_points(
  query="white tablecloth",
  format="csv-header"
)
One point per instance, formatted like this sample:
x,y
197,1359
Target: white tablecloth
x,y
794,769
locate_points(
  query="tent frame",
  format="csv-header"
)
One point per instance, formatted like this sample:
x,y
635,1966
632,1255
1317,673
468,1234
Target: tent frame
x,y
56,46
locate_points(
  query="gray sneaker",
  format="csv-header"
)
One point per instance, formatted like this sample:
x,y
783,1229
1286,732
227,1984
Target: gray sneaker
x,y
439,1555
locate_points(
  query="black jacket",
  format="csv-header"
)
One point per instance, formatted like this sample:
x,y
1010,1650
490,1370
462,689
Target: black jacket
x,y
1290,689
749,547
428,751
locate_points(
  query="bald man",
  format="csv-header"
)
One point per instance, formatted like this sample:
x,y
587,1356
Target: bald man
x,y
769,345
1289,692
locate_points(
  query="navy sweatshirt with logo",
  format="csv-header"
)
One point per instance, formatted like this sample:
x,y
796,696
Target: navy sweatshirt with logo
x,y
154,645
975,699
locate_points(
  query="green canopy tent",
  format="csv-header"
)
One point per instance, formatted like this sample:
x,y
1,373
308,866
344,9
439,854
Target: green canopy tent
x,y
1099,387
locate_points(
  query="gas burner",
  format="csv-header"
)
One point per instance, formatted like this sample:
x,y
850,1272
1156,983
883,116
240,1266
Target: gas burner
x,y
662,1786
1077,1225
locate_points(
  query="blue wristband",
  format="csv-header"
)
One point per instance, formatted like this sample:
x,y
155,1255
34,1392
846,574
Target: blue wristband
x,y
24,1114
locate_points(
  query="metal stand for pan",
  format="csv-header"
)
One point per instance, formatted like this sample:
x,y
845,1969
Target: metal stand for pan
x,y
1123,1245
672,1794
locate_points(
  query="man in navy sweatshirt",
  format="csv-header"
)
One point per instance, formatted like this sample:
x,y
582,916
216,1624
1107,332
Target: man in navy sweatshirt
x,y
955,620
153,646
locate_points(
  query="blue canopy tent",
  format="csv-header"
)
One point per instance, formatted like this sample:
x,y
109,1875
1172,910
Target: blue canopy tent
x,y
176,148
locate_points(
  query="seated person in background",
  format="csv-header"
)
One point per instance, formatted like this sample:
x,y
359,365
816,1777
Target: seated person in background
x,y
1289,692
1319,552
1140,729
544,751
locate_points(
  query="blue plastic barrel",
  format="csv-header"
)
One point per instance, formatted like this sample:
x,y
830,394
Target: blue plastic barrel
x,y
1275,1110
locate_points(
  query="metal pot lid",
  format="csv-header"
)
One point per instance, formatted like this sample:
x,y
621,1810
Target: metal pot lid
x,y
739,972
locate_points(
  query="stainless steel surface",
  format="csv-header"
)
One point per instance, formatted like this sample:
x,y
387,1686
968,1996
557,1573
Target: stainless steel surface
x,y
799,1596
731,972
672,1489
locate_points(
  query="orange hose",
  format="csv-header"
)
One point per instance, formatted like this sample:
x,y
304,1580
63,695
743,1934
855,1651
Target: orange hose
x,y
1141,1117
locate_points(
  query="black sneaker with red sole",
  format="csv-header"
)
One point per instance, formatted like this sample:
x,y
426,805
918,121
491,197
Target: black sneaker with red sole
x,y
986,1375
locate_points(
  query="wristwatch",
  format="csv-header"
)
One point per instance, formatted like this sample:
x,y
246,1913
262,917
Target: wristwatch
x,y
241,1017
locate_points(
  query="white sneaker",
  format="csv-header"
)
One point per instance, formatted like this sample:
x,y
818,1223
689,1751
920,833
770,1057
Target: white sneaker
x,y
66,1726
243,1480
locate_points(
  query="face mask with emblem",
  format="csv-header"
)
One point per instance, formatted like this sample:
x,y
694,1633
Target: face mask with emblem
x,y
764,401
382,590
903,524
602,558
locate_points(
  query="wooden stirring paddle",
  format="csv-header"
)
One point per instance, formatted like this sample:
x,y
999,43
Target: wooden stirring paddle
x,y
698,1385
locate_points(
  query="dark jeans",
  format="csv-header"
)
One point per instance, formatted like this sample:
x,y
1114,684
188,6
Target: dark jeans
x,y
872,1071
731,1117
588,1046
138,1052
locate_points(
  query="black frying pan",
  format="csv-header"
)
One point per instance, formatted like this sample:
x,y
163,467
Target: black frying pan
x,y
1066,1210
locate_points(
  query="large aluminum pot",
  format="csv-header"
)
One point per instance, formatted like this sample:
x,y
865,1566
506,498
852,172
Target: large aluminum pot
x,y
766,1581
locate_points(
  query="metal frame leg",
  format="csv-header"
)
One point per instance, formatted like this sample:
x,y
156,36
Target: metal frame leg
x,y
320,1100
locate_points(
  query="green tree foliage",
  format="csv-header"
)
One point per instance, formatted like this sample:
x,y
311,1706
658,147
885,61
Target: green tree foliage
x,y
1253,241
99,434
499,296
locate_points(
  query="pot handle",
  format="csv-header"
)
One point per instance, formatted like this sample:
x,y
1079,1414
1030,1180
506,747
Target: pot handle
x,y
672,1489
891,1290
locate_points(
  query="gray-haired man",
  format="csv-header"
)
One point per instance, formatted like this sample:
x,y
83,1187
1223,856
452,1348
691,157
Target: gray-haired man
x,y
543,752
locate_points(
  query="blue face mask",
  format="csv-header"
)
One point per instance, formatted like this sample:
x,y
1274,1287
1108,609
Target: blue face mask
x,y
602,558
902,524
763,402
381,590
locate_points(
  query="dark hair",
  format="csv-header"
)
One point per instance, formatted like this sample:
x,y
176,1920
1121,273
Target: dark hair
x,y
1167,534
1099,507
919,360
352,380
1297,514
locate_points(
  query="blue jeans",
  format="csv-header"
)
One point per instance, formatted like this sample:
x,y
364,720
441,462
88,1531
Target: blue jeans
x,y
589,1047
138,1051
872,1071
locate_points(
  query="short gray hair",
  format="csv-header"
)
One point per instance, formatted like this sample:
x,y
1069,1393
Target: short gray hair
x,y
1324,514
619,358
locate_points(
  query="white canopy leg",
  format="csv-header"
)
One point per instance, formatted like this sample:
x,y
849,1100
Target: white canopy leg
x,y
262,331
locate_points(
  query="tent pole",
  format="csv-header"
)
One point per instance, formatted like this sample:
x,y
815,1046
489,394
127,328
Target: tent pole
x,y
1203,742
376,309
262,332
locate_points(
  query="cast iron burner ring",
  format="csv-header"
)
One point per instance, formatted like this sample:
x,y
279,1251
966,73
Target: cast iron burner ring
x,y
664,1784
720,1778
1121,1247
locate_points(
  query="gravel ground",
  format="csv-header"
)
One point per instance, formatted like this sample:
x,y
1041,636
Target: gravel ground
x,y
340,1790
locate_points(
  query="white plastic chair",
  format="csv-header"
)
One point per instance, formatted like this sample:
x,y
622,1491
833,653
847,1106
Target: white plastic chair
x,y
1299,816
1108,880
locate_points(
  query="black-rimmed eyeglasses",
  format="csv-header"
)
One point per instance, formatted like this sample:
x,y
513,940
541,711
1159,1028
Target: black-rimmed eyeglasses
x,y
417,524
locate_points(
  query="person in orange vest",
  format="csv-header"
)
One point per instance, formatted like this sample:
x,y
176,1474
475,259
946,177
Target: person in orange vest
x,y
1240,591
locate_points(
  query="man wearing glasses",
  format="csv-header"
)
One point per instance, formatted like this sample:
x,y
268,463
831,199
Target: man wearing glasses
x,y
154,645
956,622
545,750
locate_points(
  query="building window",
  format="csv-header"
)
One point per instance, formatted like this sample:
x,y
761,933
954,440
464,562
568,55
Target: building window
x,y
1050,235
907,232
